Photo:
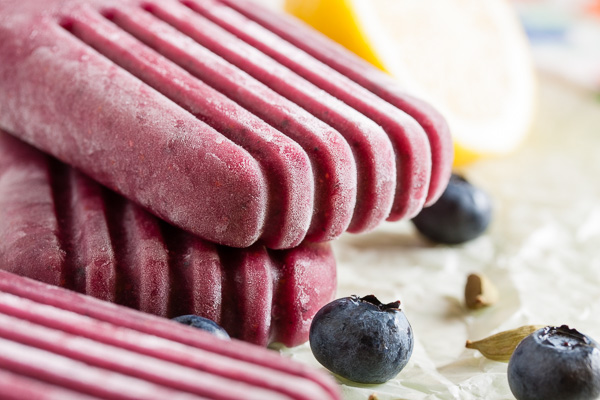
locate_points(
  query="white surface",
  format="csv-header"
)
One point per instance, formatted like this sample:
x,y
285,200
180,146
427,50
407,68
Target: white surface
x,y
542,251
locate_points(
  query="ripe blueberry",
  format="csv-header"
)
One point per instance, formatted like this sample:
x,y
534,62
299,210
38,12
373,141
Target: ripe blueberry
x,y
555,364
203,323
362,339
462,213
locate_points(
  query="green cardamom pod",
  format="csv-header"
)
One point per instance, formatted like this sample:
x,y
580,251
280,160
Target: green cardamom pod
x,y
479,292
499,347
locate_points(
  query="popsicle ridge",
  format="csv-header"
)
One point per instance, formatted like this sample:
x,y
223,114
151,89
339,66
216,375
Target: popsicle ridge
x,y
373,152
124,361
17,387
141,257
119,252
89,259
411,147
374,80
26,201
75,375
118,338
289,175
330,155
75,343
124,318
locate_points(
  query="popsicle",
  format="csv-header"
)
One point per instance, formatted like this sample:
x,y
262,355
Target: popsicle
x,y
346,63
58,344
60,227
270,59
212,122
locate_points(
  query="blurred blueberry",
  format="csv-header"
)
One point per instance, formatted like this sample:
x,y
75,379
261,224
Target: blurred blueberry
x,y
362,339
555,364
203,323
462,213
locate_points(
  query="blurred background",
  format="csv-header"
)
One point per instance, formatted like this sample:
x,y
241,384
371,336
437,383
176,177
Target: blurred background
x,y
564,34
565,37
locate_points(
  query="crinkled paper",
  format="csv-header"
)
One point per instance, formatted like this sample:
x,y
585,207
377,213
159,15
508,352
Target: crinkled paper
x,y
542,251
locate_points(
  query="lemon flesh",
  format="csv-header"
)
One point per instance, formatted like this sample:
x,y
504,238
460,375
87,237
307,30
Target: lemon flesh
x,y
468,58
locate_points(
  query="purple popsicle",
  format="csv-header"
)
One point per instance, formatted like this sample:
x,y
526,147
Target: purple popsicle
x,y
213,122
363,73
60,227
409,141
58,344
373,152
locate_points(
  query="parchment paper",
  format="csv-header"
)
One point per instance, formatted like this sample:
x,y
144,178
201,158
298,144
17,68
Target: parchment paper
x,y
542,251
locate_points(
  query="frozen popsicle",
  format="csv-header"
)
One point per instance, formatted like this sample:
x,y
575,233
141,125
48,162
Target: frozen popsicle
x,y
276,63
372,151
354,68
60,227
211,121
58,344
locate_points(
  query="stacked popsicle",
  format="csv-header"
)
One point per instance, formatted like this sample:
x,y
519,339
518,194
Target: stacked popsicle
x,y
61,228
236,126
58,344
232,123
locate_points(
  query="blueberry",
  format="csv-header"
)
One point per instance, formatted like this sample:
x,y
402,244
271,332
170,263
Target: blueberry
x,y
203,323
362,339
462,213
555,363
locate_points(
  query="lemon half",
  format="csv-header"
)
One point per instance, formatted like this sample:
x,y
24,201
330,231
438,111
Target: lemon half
x,y
468,58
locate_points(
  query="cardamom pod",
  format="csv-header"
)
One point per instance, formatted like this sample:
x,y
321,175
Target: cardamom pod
x,y
479,292
499,347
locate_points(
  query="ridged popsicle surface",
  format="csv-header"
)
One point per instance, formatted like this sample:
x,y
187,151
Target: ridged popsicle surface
x,y
383,85
411,147
60,227
58,344
216,120
372,149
